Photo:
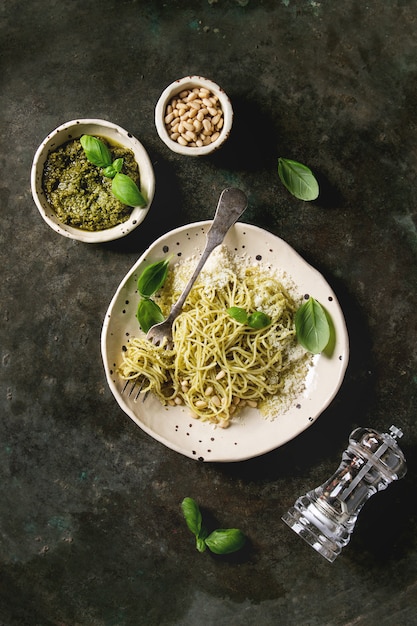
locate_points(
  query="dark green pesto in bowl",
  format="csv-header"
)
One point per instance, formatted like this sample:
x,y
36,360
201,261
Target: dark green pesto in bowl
x,y
78,191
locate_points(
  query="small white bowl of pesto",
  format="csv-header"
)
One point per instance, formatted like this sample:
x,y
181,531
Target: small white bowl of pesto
x,y
92,181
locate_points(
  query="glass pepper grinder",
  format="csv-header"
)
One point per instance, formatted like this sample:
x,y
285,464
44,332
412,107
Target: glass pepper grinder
x,y
325,517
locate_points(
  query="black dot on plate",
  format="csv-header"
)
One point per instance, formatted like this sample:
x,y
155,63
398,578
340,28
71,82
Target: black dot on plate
x,y
330,298
298,406
306,296
165,249
194,452
258,257
311,419
201,458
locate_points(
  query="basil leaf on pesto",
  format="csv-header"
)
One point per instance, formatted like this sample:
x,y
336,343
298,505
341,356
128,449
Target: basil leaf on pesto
x,y
312,326
109,171
96,151
148,314
152,278
298,179
126,190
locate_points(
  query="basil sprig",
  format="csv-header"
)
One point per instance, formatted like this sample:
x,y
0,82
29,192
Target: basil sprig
x,y
298,179
312,326
123,187
150,280
220,541
255,320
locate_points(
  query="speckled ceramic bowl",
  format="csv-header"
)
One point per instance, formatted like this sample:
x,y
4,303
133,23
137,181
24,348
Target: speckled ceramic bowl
x,y
188,147
116,134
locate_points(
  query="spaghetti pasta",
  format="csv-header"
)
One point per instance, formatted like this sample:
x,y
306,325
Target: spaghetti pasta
x,y
219,365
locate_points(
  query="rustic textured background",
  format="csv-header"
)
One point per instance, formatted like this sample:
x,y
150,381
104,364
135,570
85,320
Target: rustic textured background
x,y
91,532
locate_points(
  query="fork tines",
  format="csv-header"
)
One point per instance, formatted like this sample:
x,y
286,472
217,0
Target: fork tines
x,y
134,386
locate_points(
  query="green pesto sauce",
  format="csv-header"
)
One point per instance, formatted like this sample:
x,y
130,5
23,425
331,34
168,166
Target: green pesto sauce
x,y
78,191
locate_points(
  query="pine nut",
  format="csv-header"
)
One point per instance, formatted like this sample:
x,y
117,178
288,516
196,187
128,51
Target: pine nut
x,y
220,375
216,400
201,404
208,391
199,111
252,403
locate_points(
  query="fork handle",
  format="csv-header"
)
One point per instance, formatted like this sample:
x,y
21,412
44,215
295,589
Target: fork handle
x,y
231,205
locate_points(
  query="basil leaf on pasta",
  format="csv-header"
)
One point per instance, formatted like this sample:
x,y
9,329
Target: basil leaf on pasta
x,y
258,320
238,314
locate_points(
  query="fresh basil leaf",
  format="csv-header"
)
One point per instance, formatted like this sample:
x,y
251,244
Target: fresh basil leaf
x,y
148,314
118,164
258,320
96,151
298,179
109,171
126,190
153,277
312,326
200,544
225,541
238,314
192,515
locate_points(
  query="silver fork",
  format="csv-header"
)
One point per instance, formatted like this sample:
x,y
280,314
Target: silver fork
x,y
232,203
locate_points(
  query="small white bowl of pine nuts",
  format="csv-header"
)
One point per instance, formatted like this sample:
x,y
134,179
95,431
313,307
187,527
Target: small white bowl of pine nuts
x,y
193,116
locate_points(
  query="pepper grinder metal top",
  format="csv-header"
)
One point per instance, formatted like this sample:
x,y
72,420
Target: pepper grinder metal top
x,y
325,517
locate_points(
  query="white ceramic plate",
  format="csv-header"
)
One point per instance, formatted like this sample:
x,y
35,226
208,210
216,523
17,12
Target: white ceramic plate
x,y
251,435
